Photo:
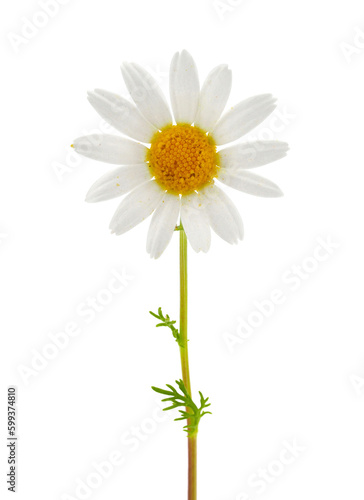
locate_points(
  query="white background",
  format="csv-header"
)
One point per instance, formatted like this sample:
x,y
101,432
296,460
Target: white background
x,y
299,376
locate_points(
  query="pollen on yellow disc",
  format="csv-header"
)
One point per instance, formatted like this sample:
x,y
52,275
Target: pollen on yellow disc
x,y
182,158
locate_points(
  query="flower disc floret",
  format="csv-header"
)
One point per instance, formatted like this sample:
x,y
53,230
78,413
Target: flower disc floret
x,y
182,158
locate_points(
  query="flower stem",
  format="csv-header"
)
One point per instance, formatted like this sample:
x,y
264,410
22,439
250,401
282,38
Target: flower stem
x,y
192,440
183,310
192,468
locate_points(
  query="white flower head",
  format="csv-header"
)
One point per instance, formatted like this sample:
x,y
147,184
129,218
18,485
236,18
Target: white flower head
x,y
174,172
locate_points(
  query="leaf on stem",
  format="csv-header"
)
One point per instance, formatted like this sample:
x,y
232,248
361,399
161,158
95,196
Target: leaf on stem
x,y
183,399
166,321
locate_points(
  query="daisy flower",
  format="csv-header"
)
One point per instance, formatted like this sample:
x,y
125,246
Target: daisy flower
x,y
169,165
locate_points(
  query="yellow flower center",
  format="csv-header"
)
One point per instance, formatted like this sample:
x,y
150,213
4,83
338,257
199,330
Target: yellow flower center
x,y
182,158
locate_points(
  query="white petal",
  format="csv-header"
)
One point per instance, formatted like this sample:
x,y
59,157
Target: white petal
x,y
195,223
243,117
162,225
213,98
223,216
250,183
252,154
136,206
184,87
122,115
110,149
118,182
147,95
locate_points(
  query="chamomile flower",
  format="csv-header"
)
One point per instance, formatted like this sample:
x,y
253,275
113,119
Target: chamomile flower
x,y
169,165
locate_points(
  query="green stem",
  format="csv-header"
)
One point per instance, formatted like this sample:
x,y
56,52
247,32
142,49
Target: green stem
x,y
192,468
183,309
192,440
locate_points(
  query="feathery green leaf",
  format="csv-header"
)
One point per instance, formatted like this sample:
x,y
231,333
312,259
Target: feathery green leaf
x,y
190,412
166,321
